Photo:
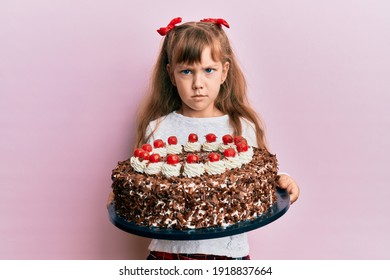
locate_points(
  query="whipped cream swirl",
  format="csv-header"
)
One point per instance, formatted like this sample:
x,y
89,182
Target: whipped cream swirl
x,y
232,162
153,168
222,147
210,146
170,170
246,157
161,151
216,167
138,165
192,147
174,149
193,169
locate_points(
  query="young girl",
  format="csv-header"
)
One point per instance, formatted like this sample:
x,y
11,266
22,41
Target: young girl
x,y
198,87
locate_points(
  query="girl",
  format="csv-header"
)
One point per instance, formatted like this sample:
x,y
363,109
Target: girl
x,y
198,87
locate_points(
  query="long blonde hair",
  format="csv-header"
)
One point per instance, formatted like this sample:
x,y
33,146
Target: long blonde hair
x,y
184,44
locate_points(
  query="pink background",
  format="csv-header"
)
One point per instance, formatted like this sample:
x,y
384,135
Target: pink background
x,y
72,74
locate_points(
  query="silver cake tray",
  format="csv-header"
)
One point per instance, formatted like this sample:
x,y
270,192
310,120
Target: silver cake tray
x,y
276,211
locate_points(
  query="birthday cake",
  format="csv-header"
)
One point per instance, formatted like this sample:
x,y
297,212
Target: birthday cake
x,y
196,185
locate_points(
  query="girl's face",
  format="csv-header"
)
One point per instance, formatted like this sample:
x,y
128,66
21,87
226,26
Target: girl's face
x,y
198,85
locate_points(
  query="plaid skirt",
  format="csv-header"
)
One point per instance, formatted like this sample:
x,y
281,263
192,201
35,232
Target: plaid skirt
x,y
156,255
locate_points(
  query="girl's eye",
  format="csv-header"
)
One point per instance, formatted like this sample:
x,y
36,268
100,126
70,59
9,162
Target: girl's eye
x,y
209,70
186,72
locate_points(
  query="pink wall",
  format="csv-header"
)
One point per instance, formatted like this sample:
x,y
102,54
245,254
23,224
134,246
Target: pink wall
x,y
73,72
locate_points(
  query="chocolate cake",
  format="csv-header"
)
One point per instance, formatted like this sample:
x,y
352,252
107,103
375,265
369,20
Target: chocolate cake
x,y
213,185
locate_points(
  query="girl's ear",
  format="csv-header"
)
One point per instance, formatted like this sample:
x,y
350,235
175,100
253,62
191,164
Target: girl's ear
x,y
171,76
225,70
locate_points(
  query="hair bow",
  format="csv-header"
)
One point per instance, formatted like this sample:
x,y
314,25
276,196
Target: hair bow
x,y
164,30
217,21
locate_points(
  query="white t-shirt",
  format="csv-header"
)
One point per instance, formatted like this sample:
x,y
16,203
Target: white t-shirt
x,y
180,126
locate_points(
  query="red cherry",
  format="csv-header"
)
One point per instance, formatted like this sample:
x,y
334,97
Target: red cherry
x,y
227,139
172,159
211,137
214,157
230,152
242,146
238,139
154,158
137,152
192,138
191,158
158,143
144,155
147,147
172,140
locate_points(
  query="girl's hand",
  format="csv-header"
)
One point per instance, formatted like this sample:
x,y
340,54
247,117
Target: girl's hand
x,y
110,199
287,183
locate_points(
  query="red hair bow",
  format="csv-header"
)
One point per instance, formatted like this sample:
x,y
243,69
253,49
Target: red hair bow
x,y
164,30
217,21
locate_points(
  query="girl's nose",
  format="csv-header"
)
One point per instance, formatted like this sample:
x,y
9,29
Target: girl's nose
x,y
197,82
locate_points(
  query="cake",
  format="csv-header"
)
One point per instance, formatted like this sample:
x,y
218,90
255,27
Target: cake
x,y
195,185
